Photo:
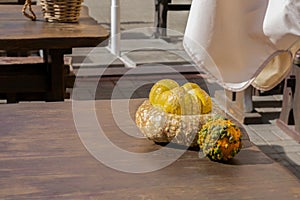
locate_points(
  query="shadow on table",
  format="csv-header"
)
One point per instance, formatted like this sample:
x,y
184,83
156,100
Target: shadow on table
x,y
249,155
277,153
130,87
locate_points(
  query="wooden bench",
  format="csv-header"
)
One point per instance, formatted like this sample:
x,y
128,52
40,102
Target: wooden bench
x,y
28,78
289,120
161,12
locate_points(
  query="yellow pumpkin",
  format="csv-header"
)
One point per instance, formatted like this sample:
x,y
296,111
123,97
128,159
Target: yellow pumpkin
x,y
159,88
174,113
203,97
188,99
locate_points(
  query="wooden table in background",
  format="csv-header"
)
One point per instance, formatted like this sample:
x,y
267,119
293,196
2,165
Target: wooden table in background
x,y
18,33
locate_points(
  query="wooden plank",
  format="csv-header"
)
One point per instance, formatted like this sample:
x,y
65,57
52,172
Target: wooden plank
x,y
16,77
42,157
20,60
297,92
19,75
179,7
19,43
289,120
24,83
25,79
22,34
239,105
21,78
96,70
286,115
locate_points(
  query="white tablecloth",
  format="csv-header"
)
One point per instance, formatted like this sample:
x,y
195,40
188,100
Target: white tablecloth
x,y
243,42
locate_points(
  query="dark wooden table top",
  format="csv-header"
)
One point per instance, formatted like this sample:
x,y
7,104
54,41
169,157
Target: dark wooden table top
x,y
18,32
42,157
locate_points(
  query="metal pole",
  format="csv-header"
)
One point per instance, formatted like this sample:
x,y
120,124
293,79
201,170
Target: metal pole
x,y
115,27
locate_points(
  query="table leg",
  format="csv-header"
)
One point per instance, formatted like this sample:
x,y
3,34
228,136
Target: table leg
x,y
160,22
11,98
56,71
244,100
286,115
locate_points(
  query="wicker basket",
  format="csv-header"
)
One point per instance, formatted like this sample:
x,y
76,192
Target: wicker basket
x,y
61,10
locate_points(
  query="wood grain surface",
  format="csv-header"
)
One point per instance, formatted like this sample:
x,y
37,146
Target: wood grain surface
x,y
18,32
42,157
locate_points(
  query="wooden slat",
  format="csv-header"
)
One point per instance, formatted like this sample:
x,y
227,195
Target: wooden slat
x,y
42,157
20,60
20,33
27,78
24,78
25,83
178,7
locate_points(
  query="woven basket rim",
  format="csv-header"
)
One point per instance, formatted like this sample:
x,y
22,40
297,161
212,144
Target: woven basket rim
x,y
61,10
61,1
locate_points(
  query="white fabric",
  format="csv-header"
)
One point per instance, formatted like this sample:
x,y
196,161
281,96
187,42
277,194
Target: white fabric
x,y
234,40
282,21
